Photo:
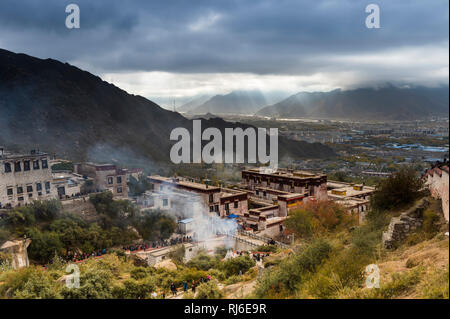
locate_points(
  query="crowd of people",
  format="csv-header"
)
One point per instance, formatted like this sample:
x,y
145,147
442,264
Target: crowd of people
x,y
74,257
158,244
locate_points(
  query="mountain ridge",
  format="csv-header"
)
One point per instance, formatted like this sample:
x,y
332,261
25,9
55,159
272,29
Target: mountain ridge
x,y
386,103
235,102
60,108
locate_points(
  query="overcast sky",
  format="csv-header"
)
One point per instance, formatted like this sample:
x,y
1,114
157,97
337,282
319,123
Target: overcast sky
x,y
174,48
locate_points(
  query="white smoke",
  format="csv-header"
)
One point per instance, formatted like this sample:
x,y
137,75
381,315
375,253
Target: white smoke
x,y
206,226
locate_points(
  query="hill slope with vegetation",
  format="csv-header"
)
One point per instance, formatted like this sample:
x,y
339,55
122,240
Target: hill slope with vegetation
x,y
328,261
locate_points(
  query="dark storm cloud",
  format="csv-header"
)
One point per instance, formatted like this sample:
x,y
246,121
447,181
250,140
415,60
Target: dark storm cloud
x,y
255,36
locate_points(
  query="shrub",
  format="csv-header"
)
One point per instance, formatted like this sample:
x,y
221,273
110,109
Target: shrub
x,y
30,283
94,284
209,290
430,223
267,248
44,245
302,223
155,225
344,269
135,289
436,285
202,261
177,254
189,275
4,234
217,274
400,189
139,273
316,217
283,279
221,251
233,280
234,266
400,283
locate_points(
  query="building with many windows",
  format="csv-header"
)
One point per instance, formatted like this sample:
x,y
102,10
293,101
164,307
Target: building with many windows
x,y
216,200
286,180
24,178
105,177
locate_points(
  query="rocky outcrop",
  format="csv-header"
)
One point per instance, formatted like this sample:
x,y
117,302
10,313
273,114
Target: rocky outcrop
x,y
401,226
18,251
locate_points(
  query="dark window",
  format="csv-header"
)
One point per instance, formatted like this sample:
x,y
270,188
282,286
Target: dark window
x,y
211,208
7,167
35,164
119,189
165,202
264,193
44,163
47,185
216,208
227,207
38,186
110,180
236,204
29,189
211,198
20,198
119,180
257,192
30,195
26,165
19,190
9,191
17,167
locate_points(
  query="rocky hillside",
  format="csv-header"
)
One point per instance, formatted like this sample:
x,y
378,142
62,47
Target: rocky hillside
x,y
59,108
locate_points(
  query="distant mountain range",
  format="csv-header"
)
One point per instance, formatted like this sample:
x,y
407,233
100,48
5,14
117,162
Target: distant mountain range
x,y
236,102
59,108
387,103
192,104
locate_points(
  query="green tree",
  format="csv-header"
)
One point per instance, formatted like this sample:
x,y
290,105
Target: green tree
x,y
138,186
177,254
400,189
234,266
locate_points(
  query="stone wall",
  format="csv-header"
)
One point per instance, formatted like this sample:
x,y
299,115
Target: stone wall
x,y
401,226
437,180
82,207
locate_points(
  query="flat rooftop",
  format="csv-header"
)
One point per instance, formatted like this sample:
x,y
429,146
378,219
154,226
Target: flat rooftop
x,y
183,183
281,172
12,156
351,191
351,202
